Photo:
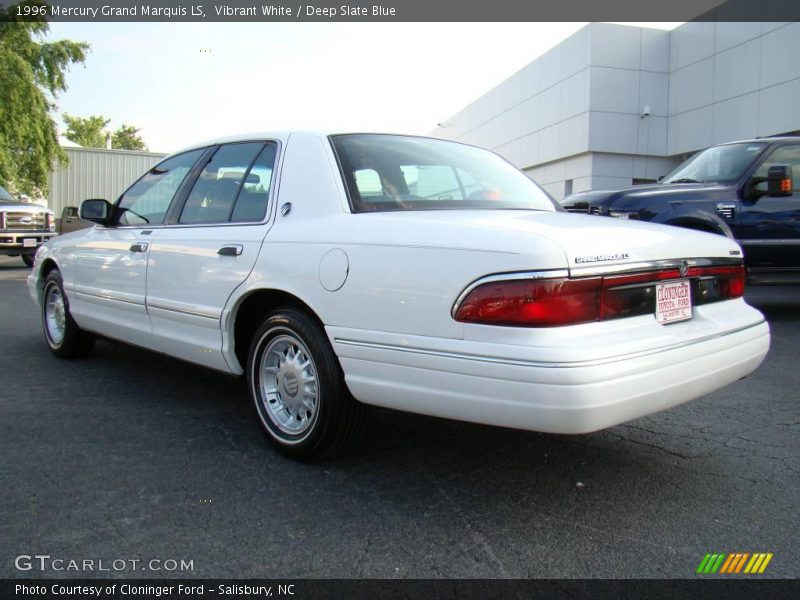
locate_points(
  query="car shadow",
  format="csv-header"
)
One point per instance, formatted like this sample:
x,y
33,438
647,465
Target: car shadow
x,y
778,303
399,450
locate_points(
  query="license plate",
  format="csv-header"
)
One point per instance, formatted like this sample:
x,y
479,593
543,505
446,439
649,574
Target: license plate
x,y
673,302
29,243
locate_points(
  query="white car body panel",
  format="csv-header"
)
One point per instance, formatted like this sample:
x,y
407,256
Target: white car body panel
x,y
384,285
109,283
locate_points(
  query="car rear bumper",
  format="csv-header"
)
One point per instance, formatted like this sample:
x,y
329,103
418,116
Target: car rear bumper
x,y
570,397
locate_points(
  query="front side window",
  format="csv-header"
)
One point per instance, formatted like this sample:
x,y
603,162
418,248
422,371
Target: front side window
x,y
146,201
392,172
785,155
234,185
719,164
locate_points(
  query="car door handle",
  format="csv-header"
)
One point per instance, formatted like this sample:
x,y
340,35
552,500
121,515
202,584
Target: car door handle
x,y
230,250
139,247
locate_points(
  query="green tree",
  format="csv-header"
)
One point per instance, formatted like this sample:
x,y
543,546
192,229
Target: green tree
x,y
127,138
90,132
32,74
86,131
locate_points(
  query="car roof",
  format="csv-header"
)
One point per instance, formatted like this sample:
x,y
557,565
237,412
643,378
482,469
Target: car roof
x,y
283,136
768,140
280,135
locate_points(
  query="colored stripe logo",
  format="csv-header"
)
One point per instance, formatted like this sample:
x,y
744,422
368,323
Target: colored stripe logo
x,y
736,562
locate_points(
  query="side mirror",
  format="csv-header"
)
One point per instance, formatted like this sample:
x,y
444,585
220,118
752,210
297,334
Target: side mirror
x,y
96,210
660,178
779,181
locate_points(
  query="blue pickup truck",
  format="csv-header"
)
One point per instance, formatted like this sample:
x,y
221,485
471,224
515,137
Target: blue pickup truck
x,y
744,190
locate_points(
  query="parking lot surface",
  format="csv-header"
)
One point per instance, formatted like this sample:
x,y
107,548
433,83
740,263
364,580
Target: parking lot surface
x,y
131,455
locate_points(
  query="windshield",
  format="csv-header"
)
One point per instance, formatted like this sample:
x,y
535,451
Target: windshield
x,y
720,164
5,196
393,172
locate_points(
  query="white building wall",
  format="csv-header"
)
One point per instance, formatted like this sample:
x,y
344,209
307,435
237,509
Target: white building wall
x,y
575,116
538,115
730,81
96,173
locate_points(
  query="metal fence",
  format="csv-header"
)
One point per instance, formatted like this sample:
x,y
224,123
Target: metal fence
x,y
96,173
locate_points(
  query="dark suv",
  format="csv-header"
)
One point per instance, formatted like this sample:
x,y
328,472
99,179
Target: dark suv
x,y
744,190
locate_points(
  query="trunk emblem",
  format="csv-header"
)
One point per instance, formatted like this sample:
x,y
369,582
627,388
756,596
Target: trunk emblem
x,y
602,257
683,268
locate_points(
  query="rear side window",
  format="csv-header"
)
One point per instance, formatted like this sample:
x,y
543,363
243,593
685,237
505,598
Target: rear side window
x,y
233,186
251,204
146,201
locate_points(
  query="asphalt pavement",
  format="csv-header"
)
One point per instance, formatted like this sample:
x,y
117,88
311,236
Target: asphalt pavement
x,y
129,455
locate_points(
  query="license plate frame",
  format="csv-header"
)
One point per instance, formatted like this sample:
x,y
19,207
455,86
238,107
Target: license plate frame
x,y
673,301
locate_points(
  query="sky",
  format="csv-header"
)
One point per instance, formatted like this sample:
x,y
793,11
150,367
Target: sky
x,y
182,83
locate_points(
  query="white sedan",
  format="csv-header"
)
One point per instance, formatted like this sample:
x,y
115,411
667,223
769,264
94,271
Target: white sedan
x,y
417,274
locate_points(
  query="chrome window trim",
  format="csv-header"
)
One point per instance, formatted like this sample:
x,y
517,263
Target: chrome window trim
x,y
271,200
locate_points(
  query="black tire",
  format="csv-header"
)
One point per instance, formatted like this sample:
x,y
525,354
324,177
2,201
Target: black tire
x,y
28,259
321,419
74,342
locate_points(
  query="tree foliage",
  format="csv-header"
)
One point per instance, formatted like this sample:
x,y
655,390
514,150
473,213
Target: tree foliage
x,y
32,74
86,131
127,138
90,132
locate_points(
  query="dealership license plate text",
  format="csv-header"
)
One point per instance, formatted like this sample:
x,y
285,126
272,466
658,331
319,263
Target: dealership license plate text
x,y
673,301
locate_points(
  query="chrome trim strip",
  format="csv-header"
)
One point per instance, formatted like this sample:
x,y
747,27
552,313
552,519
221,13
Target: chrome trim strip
x,y
107,295
652,265
195,312
521,275
768,242
539,364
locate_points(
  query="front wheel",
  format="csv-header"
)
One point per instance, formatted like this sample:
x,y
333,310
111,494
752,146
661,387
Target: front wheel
x,y
28,259
62,333
298,389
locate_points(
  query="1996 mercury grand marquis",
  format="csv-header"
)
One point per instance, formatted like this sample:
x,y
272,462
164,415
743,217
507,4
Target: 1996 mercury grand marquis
x,y
404,272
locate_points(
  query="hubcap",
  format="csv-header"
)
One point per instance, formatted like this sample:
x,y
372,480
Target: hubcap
x,y
289,386
55,315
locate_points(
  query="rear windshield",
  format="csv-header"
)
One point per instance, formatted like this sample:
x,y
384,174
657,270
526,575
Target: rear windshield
x,y
393,172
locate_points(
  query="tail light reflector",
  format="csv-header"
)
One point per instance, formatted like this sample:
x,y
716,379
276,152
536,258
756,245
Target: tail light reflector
x,y
567,301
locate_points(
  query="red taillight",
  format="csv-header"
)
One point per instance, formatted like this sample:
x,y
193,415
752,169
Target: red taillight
x,y
729,280
564,301
532,303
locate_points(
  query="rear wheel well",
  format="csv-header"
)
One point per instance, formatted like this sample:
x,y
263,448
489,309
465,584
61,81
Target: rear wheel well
x,y
251,313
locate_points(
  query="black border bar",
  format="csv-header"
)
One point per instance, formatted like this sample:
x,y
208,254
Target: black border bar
x,y
398,10
731,588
